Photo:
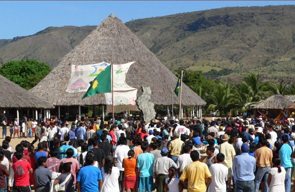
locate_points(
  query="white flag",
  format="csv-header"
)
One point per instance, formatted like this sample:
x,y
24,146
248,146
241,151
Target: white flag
x,y
81,75
123,93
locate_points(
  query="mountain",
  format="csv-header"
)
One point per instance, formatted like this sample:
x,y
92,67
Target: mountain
x,y
48,45
226,42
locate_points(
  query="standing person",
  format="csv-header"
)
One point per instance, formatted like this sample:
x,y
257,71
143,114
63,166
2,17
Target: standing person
x,y
185,158
98,153
112,173
244,167
210,159
75,164
34,126
219,174
65,179
172,181
53,163
121,152
89,177
129,165
22,170
196,174
145,162
285,153
42,176
161,167
64,130
175,147
263,157
229,153
3,173
4,125
277,177
29,128
15,128
105,145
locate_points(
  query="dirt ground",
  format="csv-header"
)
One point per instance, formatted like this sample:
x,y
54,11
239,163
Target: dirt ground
x,y
15,141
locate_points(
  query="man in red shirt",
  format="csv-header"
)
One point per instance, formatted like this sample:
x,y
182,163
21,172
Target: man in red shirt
x,y
22,170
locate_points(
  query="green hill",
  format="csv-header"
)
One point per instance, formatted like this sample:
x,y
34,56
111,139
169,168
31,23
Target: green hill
x,y
226,42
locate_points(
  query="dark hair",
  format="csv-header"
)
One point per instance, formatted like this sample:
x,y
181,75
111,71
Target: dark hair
x,y
186,148
1,155
5,144
19,148
277,163
65,167
195,155
18,155
285,138
130,153
220,157
54,153
108,164
122,140
89,159
70,153
41,160
211,148
144,145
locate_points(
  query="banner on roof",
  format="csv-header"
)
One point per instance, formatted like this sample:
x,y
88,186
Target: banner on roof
x,y
81,75
122,98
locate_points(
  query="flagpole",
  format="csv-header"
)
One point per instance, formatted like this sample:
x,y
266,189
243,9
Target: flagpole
x,y
180,97
172,114
113,107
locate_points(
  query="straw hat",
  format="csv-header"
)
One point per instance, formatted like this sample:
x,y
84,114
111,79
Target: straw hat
x,y
225,137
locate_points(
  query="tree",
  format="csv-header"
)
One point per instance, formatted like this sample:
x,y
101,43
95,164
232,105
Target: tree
x,y
26,73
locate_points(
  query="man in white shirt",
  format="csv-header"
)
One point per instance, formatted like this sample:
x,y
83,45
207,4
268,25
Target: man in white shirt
x,y
63,131
219,174
185,158
181,129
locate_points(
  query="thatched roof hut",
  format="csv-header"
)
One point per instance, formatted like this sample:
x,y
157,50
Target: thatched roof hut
x,y
113,42
274,102
291,98
14,96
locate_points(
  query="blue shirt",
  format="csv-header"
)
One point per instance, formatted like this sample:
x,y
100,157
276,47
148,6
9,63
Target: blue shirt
x,y
244,167
145,164
285,155
63,149
81,133
88,178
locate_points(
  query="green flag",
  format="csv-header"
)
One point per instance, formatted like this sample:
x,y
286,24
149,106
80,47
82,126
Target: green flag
x,y
101,83
177,88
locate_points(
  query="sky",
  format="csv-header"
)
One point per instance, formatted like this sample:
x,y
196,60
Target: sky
x,y
21,18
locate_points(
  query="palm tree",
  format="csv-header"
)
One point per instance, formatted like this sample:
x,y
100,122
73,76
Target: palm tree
x,y
255,87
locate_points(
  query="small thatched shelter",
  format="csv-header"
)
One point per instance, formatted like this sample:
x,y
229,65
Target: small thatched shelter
x,y
279,102
113,42
291,98
14,96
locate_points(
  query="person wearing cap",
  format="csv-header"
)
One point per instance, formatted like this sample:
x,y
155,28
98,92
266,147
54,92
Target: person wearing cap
x,y
229,153
263,157
161,167
285,153
197,175
244,167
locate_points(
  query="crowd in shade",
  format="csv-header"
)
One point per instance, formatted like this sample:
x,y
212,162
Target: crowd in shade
x,y
196,155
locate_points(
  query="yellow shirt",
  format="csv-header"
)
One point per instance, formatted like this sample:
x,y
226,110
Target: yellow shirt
x,y
229,153
263,157
196,174
175,147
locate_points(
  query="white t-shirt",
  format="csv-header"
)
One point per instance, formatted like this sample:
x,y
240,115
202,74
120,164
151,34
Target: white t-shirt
x,y
274,137
34,124
149,138
180,129
277,182
111,181
183,161
173,184
63,131
121,152
219,174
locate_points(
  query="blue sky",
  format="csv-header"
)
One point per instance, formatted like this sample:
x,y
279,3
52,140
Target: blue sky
x,y
26,18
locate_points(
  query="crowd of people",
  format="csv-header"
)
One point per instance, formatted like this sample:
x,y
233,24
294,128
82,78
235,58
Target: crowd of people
x,y
90,155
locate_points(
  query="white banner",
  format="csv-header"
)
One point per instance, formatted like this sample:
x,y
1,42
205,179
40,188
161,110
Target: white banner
x,y
81,75
122,98
123,93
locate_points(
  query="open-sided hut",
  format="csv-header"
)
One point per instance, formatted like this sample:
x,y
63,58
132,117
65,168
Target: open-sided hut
x,y
113,42
274,105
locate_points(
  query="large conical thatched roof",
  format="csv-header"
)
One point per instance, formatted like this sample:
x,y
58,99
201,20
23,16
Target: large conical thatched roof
x,y
14,96
274,102
113,42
